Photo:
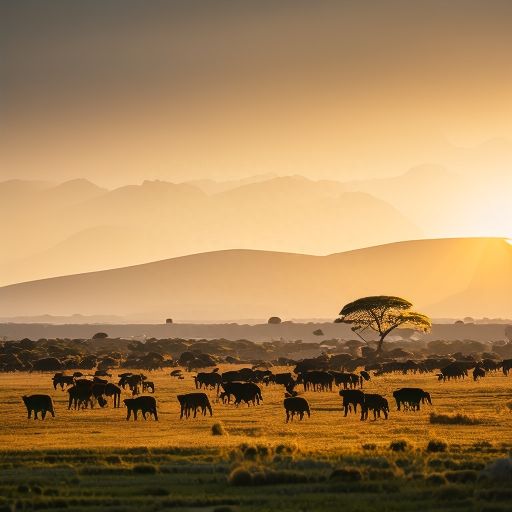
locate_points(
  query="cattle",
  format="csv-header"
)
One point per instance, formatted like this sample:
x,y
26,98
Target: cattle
x,y
175,373
317,380
376,404
365,375
80,396
134,382
39,404
208,379
109,389
59,379
411,398
348,380
193,402
242,391
102,373
99,380
478,373
283,378
145,404
296,405
351,398
454,370
242,375
506,366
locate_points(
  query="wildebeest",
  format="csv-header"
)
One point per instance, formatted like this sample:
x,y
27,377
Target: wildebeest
x,y
296,405
351,397
193,402
376,404
411,397
39,403
208,379
59,379
145,404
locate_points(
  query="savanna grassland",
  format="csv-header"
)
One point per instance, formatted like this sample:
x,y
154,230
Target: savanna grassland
x,y
94,459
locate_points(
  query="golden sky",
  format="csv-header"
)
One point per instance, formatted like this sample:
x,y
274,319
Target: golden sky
x,y
118,92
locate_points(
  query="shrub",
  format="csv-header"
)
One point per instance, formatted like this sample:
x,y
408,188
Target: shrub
x,y
457,419
436,445
369,446
435,479
144,469
346,475
398,446
461,476
218,429
500,470
250,453
240,476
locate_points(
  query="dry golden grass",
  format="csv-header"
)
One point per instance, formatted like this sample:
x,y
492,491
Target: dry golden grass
x,y
326,431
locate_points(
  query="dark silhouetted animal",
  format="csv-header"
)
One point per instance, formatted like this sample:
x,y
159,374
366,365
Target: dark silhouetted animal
x,y
59,379
478,373
376,404
411,398
208,380
351,398
193,402
39,403
296,405
506,366
317,380
145,404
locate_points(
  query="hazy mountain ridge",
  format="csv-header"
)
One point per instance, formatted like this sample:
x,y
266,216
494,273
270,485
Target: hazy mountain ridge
x,y
157,220
441,277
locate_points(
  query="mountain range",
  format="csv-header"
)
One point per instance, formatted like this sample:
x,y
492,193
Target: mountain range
x,y
443,278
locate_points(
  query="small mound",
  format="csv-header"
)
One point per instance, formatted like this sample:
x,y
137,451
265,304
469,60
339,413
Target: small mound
x,y
455,419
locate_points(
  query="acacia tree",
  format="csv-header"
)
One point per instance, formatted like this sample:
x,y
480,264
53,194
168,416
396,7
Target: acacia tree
x,y
382,314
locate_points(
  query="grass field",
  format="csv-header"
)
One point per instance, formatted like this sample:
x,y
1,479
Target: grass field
x,y
95,459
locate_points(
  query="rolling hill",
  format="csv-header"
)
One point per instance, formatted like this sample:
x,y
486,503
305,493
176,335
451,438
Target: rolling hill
x,y
444,278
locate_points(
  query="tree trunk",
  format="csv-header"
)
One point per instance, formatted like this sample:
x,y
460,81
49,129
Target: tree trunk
x,y
380,344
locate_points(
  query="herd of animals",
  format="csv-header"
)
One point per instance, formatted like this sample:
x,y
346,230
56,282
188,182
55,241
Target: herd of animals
x,y
245,385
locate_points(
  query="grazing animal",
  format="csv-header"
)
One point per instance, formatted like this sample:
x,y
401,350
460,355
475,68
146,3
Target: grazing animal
x,y
175,373
411,397
296,405
376,404
145,404
39,403
212,380
59,379
283,378
348,380
98,380
351,398
80,396
193,402
317,380
478,373
365,375
506,366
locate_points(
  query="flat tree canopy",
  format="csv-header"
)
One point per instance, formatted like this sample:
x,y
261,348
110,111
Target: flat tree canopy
x,y
382,314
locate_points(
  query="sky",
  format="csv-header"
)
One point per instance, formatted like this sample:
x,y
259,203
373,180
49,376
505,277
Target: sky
x,y
122,91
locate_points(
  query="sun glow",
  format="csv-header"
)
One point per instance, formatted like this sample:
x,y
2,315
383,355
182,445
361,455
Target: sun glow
x,y
508,240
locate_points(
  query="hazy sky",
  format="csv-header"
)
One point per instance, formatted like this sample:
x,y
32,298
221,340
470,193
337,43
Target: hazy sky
x,y
121,91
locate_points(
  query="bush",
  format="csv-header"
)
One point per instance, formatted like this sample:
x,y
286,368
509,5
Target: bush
x,y
435,479
398,446
457,419
239,477
144,469
499,471
461,476
346,475
100,336
436,445
369,446
218,429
